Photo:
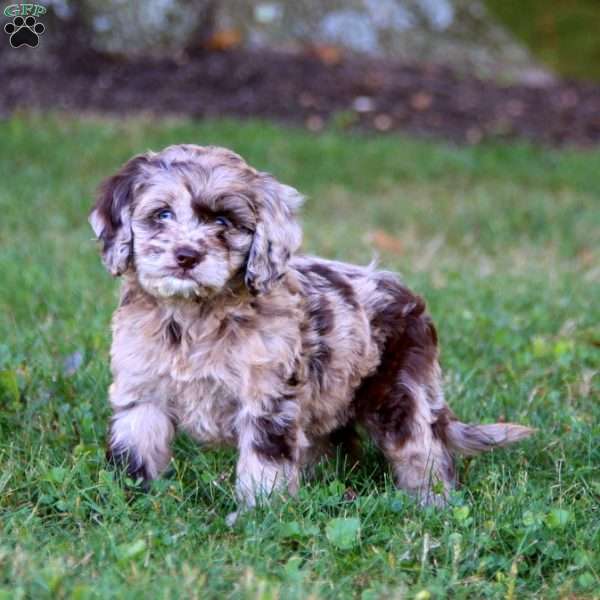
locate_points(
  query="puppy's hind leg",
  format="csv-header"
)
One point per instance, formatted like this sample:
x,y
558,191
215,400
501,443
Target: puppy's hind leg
x,y
140,440
421,463
398,405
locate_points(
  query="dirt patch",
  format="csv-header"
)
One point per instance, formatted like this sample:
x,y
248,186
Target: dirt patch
x,y
314,89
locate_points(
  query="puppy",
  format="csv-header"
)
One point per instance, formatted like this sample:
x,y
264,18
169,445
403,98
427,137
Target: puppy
x,y
225,332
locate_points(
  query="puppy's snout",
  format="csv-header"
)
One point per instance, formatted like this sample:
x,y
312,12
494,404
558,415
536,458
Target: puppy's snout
x,y
187,258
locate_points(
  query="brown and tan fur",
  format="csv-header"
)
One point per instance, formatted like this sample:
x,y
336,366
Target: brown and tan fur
x,y
225,332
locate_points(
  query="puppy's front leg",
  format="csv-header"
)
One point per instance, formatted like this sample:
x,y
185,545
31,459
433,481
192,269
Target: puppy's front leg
x,y
268,457
140,439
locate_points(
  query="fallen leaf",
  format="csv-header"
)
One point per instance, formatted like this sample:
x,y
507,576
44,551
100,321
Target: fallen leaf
x,y
586,257
224,39
328,55
421,101
385,242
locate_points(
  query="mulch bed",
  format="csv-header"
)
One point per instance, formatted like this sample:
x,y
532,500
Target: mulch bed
x,y
312,89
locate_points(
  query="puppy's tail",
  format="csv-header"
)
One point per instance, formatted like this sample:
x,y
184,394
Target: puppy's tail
x,y
472,439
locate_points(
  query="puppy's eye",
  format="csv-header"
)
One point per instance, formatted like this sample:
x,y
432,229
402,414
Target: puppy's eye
x,y
223,221
164,214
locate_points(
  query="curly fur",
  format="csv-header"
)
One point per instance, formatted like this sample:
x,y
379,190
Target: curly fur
x,y
258,346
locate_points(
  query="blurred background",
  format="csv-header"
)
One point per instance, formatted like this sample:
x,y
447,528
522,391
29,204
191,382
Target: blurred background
x,y
462,69
457,140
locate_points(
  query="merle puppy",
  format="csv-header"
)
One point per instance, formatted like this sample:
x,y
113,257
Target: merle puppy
x,y
225,332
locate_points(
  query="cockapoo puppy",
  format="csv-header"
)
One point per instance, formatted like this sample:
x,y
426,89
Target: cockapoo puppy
x,y
225,332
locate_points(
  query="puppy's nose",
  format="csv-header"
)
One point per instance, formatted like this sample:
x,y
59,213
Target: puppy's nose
x,y
187,258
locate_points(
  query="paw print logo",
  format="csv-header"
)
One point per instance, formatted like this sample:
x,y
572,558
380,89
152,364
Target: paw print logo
x,y
24,32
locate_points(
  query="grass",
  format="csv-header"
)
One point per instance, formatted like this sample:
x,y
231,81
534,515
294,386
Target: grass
x,y
503,241
562,33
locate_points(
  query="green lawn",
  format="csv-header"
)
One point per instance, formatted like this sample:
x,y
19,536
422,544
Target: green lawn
x,y
503,241
561,33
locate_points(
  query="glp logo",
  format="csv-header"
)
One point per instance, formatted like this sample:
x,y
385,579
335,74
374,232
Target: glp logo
x,y
24,30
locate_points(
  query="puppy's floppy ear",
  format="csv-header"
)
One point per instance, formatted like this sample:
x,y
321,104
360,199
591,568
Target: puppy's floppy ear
x,y
277,235
111,216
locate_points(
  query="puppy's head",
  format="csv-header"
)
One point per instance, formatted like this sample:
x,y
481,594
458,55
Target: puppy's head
x,y
190,220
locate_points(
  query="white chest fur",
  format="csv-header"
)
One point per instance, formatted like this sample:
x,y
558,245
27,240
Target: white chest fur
x,y
201,368
205,409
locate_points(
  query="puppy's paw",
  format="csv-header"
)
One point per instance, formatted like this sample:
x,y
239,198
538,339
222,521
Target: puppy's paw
x,y
127,462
